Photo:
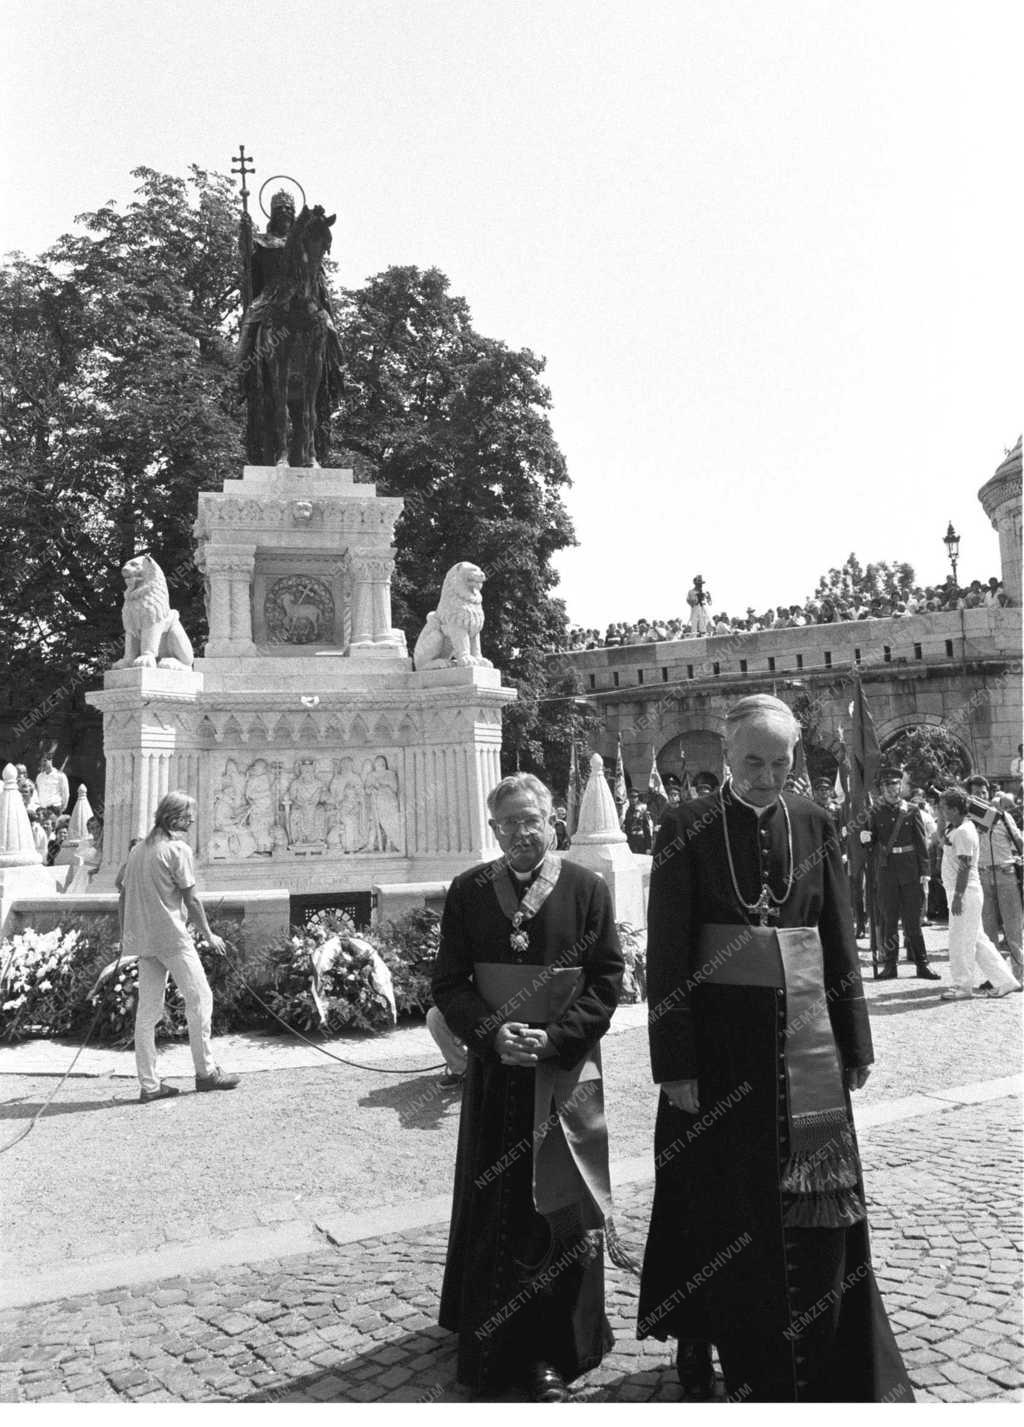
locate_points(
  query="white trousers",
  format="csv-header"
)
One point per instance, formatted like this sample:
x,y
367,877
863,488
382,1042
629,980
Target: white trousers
x,y
972,957
454,1052
190,979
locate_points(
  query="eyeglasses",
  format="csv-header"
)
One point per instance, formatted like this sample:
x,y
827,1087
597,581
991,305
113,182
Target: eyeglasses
x,y
508,826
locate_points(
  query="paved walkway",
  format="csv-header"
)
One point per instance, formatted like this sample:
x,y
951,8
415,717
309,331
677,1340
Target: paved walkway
x,y
356,1322
308,1268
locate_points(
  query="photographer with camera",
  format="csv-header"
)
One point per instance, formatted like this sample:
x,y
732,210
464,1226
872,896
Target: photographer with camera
x,y
971,953
999,859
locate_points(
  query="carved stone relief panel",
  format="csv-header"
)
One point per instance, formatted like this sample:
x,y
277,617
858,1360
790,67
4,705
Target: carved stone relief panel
x,y
299,609
335,804
299,601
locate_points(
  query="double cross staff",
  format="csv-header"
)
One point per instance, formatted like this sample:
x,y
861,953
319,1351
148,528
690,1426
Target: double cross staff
x,y
241,167
244,167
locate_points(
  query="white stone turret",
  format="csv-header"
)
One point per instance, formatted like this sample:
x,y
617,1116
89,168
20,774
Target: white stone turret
x,y
1001,499
78,827
17,845
599,819
600,844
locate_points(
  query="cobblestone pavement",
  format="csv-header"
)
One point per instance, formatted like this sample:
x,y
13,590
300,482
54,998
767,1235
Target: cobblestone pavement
x,y
357,1323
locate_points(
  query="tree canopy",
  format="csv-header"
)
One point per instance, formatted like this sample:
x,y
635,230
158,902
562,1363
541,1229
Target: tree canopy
x,y
118,404
854,581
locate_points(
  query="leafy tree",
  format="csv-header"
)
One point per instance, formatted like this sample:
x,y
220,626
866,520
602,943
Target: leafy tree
x,y
929,755
853,582
118,403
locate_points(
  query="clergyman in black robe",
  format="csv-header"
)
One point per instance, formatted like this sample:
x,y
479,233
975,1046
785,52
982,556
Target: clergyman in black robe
x,y
528,976
758,1029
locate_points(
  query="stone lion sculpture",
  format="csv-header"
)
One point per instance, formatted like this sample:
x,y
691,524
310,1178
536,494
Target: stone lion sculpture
x,y
451,635
153,636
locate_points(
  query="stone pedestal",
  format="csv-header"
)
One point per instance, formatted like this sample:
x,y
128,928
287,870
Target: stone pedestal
x,y
320,761
600,844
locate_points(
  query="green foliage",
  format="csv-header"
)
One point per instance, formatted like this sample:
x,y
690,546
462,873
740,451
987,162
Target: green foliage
x,y
409,947
929,755
856,583
118,405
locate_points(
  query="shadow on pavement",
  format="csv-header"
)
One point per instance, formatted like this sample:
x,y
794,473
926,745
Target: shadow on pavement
x,y
420,1368
419,1104
914,998
25,1109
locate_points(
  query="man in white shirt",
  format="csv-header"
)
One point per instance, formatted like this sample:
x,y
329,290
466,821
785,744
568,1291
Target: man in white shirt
x,y
998,855
51,786
971,954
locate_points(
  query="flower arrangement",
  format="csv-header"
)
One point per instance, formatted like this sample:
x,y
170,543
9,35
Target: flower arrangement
x,y
409,947
38,985
634,953
327,980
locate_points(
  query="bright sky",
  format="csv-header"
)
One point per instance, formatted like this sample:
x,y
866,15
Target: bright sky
x,y
771,249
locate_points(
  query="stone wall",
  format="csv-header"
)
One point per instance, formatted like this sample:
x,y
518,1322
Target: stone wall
x,y
958,669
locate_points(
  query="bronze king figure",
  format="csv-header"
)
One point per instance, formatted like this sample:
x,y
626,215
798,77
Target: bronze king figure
x,y
289,357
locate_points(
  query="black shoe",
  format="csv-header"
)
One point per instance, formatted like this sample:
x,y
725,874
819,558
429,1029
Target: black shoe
x,y
889,974
219,1080
451,1080
925,973
985,986
166,1092
694,1370
545,1383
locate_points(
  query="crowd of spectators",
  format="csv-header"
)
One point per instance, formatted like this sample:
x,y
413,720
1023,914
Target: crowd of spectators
x,y
824,608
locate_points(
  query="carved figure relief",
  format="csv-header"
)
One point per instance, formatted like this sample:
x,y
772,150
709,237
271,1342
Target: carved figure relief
x,y
306,807
299,609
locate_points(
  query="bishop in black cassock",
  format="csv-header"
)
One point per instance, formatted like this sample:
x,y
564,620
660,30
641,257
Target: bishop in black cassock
x,y
524,1276
758,1240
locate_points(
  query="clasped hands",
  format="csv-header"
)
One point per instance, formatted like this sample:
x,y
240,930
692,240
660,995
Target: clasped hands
x,y
519,1044
683,1093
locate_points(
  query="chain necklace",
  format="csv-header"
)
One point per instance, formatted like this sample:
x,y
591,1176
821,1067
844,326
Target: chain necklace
x,y
767,904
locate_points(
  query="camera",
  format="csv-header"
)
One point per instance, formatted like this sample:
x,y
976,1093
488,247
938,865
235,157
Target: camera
x,y
985,815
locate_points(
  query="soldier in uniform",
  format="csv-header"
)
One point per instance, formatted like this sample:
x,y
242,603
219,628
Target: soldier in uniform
x,y
637,824
895,834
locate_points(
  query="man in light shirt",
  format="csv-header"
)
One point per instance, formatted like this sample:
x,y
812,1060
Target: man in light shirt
x,y
159,886
999,850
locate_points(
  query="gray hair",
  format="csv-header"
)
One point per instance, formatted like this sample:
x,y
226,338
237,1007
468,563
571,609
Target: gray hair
x,y
519,783
168,810
760,708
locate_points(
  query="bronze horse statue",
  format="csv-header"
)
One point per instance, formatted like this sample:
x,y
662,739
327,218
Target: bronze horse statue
x,y
296,353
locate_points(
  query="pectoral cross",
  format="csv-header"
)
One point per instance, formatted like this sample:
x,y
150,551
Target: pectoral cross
x,y
245,167
764,909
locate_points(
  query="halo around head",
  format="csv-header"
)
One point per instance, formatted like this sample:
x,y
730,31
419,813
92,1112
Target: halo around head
x,y
290,186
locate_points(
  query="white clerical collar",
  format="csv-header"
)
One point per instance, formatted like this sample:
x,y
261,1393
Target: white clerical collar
x,y
754,807
528,875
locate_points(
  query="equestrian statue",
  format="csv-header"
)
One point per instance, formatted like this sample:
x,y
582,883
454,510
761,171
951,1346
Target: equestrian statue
x,y
289,357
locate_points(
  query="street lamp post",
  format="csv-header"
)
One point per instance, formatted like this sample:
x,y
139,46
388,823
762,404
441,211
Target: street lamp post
x,y
951,540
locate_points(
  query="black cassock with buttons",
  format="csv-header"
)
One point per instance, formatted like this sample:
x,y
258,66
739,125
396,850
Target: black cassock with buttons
x,y
520,1287
781,1283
